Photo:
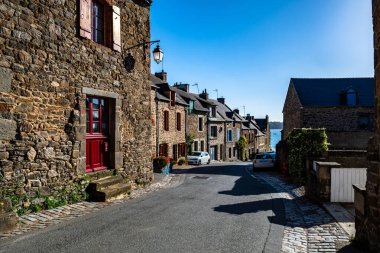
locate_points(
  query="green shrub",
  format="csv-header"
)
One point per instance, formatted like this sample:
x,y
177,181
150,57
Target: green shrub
x,y
181,161
304,143
242,145
159,163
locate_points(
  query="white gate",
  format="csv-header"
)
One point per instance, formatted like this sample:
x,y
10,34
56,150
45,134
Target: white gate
x,y
342,180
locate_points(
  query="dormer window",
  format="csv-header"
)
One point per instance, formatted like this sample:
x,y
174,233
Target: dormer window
x,y
213,111
172,98
351,97
191,106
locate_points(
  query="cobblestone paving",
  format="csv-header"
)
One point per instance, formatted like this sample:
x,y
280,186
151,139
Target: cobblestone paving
x,y
34,221
309,228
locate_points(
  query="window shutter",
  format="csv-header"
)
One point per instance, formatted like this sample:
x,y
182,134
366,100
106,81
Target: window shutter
x,y
116,29
85,19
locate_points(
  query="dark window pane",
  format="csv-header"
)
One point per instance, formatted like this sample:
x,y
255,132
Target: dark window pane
x,y
99,37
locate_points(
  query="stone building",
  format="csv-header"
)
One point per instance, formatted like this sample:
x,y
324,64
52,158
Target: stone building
x,y
232,128
170,119
256,139
196,123
263,140
367,204
73,96
217,132
344,106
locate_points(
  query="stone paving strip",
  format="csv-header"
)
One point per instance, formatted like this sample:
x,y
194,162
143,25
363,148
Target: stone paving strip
x,y
34,221
309,228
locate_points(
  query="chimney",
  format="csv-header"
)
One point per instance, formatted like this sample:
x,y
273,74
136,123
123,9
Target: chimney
x,y
162,75
204,94
236,111
248,117
182,86
221,100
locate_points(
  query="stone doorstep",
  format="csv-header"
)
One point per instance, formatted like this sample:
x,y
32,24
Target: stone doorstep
x,y
8,222
344,218
98,185
110,192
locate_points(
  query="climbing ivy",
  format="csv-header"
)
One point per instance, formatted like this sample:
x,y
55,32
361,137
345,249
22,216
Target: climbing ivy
x,y
189,142
242,145
304,143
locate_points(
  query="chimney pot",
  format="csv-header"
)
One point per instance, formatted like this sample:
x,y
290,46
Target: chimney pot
x,y
221,100
162,75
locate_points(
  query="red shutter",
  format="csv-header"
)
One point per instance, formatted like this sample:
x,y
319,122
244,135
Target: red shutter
x,y
85,18
116,29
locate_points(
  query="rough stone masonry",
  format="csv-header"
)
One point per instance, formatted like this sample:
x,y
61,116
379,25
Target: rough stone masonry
x,y
46,72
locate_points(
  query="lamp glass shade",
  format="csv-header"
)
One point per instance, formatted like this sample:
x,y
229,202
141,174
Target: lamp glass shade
x,y
158,55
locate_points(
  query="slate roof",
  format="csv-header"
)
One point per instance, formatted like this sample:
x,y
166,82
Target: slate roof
x,y
222,110
157,82
325,92
262,124
187,96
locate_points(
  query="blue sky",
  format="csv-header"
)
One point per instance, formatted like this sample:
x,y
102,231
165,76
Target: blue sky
x,y
249,50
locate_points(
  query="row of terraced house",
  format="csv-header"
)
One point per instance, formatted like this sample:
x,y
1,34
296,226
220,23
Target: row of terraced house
x,y
183,121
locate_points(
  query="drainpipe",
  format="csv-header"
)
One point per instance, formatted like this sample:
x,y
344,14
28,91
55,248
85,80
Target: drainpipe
x,y
186,129
208,133
157,128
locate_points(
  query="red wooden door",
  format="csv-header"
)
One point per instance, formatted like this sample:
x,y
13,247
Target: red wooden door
x,y
97,134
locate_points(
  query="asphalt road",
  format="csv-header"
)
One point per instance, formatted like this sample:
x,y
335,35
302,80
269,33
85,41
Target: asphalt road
x,y
215,208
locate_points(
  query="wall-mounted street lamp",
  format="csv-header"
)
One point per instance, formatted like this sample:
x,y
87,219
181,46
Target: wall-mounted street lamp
x,y
158,54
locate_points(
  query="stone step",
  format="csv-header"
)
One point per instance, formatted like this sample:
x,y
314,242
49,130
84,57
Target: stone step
x,y
100,184
110,192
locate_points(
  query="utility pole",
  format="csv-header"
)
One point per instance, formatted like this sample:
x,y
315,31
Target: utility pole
x,y
217,95
196,84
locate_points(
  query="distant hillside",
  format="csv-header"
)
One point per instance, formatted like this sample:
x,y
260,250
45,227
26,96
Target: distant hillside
x,y
276,125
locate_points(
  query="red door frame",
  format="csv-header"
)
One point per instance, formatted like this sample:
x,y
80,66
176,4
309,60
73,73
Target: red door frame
x,y
97,151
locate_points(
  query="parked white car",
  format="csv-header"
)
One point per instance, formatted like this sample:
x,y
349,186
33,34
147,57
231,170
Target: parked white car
x,y
264,160
198,158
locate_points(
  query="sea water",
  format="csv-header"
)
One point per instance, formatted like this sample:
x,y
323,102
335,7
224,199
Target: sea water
x,y
275,137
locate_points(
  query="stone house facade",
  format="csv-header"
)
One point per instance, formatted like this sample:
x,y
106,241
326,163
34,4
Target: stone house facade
x,y
232,122
69,105
263,141
367,204
344,106
171,121
197,112
254,136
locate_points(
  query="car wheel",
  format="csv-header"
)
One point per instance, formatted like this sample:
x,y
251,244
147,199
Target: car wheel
x,y
209,160
199,162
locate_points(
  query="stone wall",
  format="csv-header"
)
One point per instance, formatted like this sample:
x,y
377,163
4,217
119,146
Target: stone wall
x,y
173,136
153,136
194,131
232,144
46,72
219,140
292,116
367,204
250,136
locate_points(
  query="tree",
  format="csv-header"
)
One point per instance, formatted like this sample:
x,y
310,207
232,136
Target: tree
x,y
242,145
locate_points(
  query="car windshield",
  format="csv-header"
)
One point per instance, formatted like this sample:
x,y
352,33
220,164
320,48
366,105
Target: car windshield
x,y
195,154
259,156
